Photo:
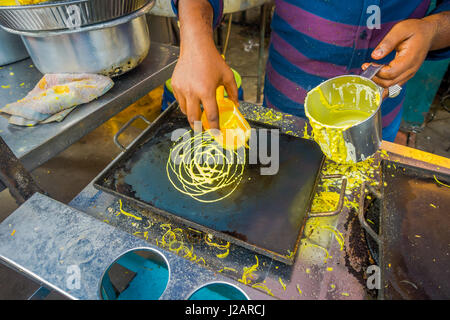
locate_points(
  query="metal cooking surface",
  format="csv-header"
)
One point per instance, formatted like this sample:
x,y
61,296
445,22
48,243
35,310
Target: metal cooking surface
x,y
415,233
264,213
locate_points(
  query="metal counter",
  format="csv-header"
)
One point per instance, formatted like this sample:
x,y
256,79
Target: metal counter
x,y
36,145
339,276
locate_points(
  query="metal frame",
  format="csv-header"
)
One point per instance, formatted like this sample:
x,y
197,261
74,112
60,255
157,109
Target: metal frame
x,y
97,183
379,237
14,176
27,253
340,202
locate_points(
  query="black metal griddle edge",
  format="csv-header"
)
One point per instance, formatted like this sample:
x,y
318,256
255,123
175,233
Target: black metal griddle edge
x,y
142,138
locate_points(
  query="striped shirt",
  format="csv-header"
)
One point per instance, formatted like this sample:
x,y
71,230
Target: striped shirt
x,y
313,41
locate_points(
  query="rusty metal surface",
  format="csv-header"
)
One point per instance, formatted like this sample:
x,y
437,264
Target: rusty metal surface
x,y
414,233
265,213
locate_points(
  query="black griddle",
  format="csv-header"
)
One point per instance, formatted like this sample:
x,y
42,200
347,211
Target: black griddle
x,y
412,233
265,213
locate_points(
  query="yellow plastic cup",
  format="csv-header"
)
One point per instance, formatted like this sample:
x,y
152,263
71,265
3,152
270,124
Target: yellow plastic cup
x,y
234,131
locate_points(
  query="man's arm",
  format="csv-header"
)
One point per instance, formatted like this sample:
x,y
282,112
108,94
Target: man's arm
x,y
412,39
200,69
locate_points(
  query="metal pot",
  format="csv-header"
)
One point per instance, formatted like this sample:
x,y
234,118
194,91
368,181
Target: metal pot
x,y
359,141
11,48
111,48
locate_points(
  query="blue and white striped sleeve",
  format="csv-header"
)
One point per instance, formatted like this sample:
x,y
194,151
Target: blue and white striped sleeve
x,y
217,6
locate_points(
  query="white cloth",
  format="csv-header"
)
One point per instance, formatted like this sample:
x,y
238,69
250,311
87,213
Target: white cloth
x,y
55,96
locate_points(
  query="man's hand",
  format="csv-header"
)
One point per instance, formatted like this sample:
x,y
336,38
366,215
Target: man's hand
x,y
200,69
412,39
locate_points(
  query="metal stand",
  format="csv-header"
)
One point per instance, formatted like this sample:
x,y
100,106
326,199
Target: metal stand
x,y
14,176
262,33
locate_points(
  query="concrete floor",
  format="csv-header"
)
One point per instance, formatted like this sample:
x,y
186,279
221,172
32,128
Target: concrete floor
x,y
80,163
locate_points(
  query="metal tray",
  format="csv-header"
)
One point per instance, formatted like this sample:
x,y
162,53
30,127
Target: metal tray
x,y
60,15
265,214
410,233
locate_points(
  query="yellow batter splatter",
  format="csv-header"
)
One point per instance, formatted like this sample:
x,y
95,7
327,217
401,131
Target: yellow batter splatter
x,y
225,247
263,287
228,269
300,292
248,272
440,183
282,283
127,213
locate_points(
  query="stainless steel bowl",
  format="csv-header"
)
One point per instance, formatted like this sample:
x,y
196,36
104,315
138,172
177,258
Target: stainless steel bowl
x,y
111,48
11,48
60,15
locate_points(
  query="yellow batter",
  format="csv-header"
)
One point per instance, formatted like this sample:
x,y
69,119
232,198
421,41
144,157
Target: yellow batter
x,y
338,117
202,167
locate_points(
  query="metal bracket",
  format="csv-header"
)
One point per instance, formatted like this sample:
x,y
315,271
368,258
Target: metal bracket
x,y
121,130
341,199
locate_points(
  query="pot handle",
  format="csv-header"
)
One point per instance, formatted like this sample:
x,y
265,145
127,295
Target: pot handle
x,y
361,218
372,70
121,130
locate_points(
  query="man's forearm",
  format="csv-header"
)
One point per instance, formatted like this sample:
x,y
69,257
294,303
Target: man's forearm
x,y
441,24
196,18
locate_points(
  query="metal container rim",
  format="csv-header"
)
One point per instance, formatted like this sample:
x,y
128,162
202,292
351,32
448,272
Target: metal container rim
x,y
206,284
49,4
102,25
344,76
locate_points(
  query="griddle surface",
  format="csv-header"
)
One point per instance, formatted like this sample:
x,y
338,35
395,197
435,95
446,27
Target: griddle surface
x,y
415,233
265,212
